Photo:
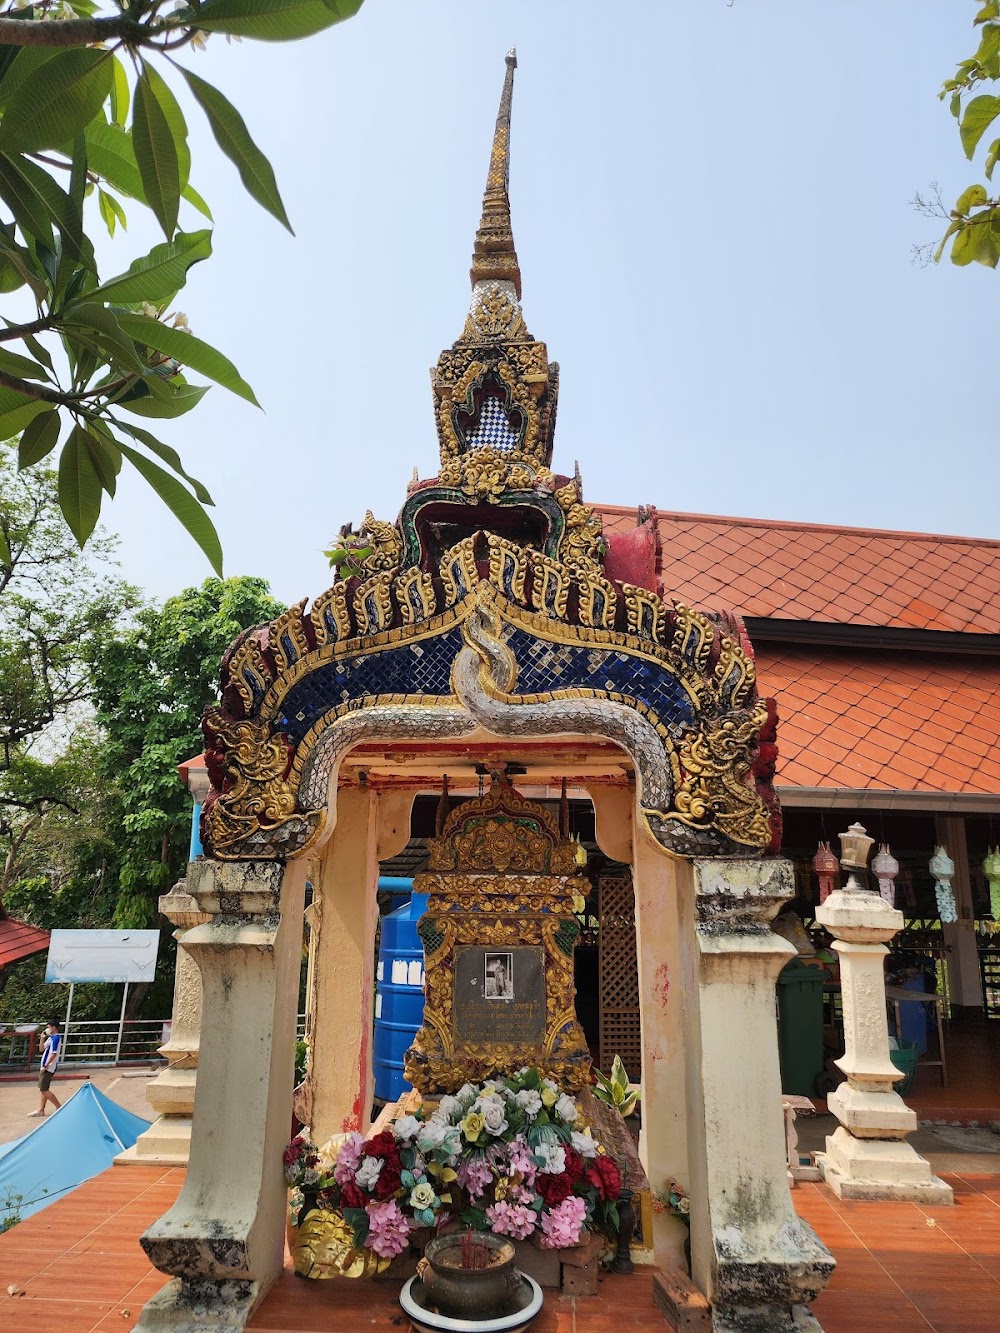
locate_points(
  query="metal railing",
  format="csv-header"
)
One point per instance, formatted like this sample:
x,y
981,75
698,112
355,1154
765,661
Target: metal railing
x,y
108,1042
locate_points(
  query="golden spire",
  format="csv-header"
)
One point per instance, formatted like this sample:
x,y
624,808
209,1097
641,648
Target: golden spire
x,y
493,255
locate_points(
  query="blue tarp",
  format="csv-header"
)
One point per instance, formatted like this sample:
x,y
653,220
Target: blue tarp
x,y
66,1148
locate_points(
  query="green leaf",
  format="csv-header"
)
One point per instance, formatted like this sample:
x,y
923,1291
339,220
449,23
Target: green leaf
x,y
194,198
965,248
233,137
188,351
107,459
156,154
38,438
111,156
119,94
158,275
179,400
23,200
971,198
111,340
979,115
175,119
989,11
169,456
16,410
56,101
181,503
62,210
80,488
274,20
992,154
15,364
107,212
4,549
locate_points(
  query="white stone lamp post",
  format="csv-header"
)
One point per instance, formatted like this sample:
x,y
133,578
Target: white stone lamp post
x,y
868,1157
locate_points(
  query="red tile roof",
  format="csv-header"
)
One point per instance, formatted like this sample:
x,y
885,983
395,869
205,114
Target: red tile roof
x,y
810,572
18,940
882,720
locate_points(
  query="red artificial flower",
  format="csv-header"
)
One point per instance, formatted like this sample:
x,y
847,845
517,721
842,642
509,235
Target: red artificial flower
x,y
290,1155
389,1178
351,1196
574,1165
554,1188
382,1145
605,1178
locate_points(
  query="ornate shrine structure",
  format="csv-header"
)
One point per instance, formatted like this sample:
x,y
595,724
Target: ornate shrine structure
x,y
492,621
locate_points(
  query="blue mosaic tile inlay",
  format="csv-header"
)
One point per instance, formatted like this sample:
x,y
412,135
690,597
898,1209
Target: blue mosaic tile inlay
x,y
416,668
544,666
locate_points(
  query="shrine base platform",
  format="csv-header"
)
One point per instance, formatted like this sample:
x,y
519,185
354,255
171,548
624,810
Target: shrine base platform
x,y
76,1267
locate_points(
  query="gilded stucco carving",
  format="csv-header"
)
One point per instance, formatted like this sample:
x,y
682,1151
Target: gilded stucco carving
x,y
500,877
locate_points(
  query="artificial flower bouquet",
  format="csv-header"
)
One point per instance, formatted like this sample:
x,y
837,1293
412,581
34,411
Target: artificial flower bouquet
x,y
673,1200
511,1156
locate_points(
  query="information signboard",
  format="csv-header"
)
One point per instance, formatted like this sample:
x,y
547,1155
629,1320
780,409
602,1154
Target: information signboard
x,y
102,955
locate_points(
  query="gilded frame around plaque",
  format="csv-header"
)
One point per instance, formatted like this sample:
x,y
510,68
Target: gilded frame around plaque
x,y
492,888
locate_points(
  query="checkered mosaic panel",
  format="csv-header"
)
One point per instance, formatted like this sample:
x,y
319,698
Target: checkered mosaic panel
x,y
492,430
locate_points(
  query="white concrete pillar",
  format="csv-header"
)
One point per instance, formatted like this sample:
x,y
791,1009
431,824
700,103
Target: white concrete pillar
x,y
759,1264
965,984
171,1094
224,1237
867,1156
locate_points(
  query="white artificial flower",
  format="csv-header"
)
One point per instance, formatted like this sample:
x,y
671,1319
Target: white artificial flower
x,y
551,1084
565,1108
494,1119
448,1107
553,1156
684,1206
407,1127
530,1102
422,1195
466,1094
368,1173
486,1100
584,1143
432,1135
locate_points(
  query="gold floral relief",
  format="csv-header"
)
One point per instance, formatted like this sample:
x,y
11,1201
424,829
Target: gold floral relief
x,y
712,772
287,637
331,615
387,544
248,661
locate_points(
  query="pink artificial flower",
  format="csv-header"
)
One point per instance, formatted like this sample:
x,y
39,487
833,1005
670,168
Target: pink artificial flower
x,y
388,1230
561,1226
348,1159
511,1219
522,1161
474,1175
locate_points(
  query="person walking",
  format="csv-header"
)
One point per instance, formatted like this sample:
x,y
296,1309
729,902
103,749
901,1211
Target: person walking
x,y
51,1050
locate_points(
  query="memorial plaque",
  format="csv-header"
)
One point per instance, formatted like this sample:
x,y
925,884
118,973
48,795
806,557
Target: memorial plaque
x,y
499,995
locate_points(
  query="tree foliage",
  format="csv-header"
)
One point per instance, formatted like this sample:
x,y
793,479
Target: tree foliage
x,y
151,685
974,222
87,113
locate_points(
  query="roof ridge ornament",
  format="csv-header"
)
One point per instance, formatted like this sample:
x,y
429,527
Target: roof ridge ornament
x,y
494,256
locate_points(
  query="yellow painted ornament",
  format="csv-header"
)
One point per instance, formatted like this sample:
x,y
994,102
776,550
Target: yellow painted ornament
x,y
324,1247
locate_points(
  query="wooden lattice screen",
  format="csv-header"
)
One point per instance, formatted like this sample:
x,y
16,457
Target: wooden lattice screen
x,y
618,974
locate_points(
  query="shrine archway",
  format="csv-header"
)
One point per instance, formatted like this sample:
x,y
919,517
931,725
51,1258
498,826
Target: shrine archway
x,y
494,607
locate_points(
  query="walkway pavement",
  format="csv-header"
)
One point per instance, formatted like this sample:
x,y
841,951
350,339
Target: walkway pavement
x,y
76,1267
18,1096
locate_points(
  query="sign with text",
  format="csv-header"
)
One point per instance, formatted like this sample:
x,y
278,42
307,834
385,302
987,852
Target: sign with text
x,y
500,996
102,955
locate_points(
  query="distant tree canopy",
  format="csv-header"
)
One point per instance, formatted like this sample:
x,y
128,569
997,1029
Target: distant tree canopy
x,y
87,114
100,700
974,221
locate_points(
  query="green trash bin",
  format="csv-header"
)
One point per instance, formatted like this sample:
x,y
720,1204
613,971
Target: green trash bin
x,y
800,1027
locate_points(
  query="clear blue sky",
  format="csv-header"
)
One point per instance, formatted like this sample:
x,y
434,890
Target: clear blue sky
x,y
711,208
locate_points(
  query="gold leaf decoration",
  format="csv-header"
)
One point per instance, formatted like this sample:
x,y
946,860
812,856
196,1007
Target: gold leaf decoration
x,y
324,1247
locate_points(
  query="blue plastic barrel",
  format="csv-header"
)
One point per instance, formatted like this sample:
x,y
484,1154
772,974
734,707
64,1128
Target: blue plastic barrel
x,y
399,994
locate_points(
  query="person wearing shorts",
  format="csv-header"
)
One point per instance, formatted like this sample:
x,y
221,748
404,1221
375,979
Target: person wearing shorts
x,y
51,1050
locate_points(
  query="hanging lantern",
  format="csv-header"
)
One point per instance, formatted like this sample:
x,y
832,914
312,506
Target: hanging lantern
x,y
886,868
826,865
942,867
855,845
991,866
